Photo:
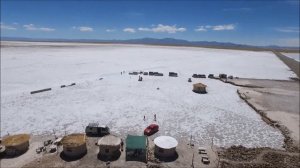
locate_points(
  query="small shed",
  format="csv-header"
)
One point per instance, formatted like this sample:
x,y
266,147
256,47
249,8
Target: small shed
x,y
74,145
165,146
109,145
199,88
16,144
136,148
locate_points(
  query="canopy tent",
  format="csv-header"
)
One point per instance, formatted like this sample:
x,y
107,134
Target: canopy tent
x,y
136,148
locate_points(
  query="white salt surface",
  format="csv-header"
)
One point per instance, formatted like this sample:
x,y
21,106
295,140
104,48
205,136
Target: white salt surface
x,y
295,56
120,101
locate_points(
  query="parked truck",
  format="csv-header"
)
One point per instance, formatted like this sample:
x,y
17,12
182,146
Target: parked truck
x,y
94,129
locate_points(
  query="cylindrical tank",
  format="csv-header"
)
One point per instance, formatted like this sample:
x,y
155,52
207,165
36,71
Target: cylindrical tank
x,y
165,146
16,144
109,145
74,145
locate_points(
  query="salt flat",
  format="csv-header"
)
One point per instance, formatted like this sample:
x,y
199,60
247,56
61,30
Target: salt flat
x,y
29,66
121,101
295,56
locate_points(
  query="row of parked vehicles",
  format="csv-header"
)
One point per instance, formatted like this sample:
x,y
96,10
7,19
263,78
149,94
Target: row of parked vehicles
x,y
94,129
150,73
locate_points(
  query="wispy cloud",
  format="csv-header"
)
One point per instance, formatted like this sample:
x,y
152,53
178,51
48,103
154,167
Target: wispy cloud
x,y
83,28
237,9
215,28
292,2
289,42
32,27
7,27
110,30
160,28
129,30
288,29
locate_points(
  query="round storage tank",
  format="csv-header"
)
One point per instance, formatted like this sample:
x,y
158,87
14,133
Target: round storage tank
x,y
74,145
165,146
109,145
16,144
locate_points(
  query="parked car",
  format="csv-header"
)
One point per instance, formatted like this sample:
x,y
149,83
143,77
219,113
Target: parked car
x,y
151,129
94,129
173,74
211,76
223,76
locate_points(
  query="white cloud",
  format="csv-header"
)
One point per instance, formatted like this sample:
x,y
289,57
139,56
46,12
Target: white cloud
x,y
7,27
215,28
46,29
288,29
110,30
160,28
144,29
83,28
129,30
201,29
32,27
223,27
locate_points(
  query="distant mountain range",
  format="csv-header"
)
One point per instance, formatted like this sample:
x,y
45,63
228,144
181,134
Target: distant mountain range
x,y
164,41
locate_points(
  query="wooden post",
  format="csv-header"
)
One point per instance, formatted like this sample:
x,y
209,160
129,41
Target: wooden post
x,y
191,140
193,160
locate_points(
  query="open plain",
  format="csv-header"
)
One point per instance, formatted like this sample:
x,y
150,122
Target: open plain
x,y
104,92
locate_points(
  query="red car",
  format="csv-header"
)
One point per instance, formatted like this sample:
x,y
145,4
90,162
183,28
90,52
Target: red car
x,y
151,129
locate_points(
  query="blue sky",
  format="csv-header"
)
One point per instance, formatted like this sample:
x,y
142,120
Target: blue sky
x,y
255,22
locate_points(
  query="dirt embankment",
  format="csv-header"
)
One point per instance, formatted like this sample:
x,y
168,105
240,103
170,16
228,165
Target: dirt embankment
x,y
291,63
277,102
241,157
